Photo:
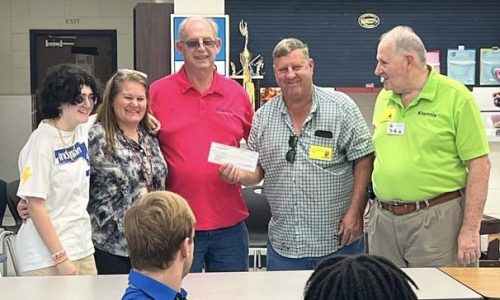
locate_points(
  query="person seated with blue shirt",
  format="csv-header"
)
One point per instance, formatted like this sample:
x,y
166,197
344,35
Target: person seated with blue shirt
x,y
159,229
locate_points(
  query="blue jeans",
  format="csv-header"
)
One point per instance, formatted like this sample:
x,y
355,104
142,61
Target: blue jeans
x,y
276,262
221,250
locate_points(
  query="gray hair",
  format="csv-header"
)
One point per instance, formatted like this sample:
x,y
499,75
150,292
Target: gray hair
x,y
406,40
209,21
285,46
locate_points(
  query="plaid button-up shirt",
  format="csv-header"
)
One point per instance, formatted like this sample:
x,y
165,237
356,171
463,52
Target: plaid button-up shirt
x,y
308,197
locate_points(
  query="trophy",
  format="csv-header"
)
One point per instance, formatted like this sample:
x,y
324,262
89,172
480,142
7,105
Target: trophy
x,y
245,60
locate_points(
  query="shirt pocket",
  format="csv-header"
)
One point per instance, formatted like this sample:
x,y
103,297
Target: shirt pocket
x,y
326,143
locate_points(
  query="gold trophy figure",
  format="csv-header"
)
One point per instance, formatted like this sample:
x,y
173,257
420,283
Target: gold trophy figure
x,y
245,59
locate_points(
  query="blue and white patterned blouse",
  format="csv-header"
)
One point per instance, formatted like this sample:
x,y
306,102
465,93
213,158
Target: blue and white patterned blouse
x,y
117,179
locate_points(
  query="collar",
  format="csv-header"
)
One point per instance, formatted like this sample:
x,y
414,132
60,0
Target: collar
x,y
129,142
154,289
185,85
428,91
314,104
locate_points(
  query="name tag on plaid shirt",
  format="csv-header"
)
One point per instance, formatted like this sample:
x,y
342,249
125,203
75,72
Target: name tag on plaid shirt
x,y
320,153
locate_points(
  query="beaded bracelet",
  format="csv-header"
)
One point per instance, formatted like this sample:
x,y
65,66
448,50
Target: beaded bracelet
x,y
59,256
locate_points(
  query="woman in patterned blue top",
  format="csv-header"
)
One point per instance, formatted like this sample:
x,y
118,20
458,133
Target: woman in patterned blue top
x,y
126,163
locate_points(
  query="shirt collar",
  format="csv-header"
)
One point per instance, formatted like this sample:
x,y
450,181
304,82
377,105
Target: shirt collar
x,y
154,289
185,84
314,105
429,89
427,92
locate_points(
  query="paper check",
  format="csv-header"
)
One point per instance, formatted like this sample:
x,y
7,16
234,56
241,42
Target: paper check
x,y
243,159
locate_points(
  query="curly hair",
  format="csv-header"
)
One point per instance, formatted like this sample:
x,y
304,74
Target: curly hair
x,y
359,277
62,85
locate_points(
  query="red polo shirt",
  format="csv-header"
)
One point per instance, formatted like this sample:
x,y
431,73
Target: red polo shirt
x,y
190,122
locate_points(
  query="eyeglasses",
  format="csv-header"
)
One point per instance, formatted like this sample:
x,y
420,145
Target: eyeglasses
x,y
198,43
92,99
292,143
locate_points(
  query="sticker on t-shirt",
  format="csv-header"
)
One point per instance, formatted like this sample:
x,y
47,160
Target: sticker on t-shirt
x,y
71,154
26,174
320,152
388,115
394,128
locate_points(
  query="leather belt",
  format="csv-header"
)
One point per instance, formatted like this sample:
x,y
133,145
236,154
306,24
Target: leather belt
x,y
402,207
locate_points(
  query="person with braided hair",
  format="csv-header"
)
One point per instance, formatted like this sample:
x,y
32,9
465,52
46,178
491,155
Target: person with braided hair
x,y
359,277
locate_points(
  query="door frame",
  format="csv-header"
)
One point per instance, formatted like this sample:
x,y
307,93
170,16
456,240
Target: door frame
x,y
34,33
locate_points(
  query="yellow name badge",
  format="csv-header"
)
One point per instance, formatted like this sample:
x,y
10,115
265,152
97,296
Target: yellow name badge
x,y
388,115
320,153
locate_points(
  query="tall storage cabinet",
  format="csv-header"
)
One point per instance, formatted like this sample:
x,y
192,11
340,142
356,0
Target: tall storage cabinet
x,y
152,38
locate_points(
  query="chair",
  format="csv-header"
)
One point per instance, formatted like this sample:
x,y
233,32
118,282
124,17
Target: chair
x,y
8,234
3,199
491,227
257,222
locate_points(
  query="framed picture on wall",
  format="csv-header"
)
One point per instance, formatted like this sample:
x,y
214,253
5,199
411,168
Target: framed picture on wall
x,y
222,58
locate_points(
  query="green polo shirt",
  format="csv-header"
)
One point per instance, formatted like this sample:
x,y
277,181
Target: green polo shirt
x,y
430,141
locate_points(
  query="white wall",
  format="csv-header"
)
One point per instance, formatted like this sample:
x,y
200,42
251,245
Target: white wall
x,y
207,7
15,128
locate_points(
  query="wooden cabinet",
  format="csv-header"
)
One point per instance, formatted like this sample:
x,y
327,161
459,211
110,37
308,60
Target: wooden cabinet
x,y
152,38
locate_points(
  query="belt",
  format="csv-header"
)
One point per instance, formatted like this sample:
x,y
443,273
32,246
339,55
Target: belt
x,y
403,208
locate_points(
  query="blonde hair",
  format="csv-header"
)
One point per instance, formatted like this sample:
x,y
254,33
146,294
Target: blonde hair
x,y
106,115
285,46
155,227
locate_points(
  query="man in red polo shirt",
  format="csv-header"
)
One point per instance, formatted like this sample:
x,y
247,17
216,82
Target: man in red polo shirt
x,y
196,106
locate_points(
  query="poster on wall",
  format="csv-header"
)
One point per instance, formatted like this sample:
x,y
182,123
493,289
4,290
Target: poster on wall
x,y
490,66
222,58
461,65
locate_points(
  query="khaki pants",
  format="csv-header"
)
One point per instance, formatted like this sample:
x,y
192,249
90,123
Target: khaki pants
x,y
425,238
84,266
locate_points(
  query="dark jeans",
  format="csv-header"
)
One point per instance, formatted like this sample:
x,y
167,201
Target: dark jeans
x,y
276,262
221,250
108,263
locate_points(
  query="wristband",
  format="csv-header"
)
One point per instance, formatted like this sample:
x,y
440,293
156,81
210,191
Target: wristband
x,y
59,256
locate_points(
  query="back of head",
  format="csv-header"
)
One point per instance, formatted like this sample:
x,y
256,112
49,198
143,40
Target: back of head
x,y
358,278
155,227
406,41
287,45
62,85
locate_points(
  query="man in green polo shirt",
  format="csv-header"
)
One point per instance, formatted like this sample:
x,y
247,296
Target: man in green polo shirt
x,y
431,169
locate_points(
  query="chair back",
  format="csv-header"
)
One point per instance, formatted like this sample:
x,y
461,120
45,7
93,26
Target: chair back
x,y
3,199
259,215
12,201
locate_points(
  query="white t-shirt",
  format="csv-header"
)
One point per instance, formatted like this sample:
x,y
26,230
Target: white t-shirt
x,y
60,175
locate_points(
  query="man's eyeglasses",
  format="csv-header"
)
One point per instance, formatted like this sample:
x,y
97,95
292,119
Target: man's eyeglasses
x,y
80,98
198,43
292,143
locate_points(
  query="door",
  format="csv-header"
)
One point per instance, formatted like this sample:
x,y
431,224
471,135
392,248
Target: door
x,y
94,49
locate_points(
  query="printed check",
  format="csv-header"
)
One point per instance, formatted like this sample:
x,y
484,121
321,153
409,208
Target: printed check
x,y
243,159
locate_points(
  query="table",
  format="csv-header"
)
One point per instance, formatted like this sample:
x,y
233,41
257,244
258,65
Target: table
x,y
485,281
288,285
